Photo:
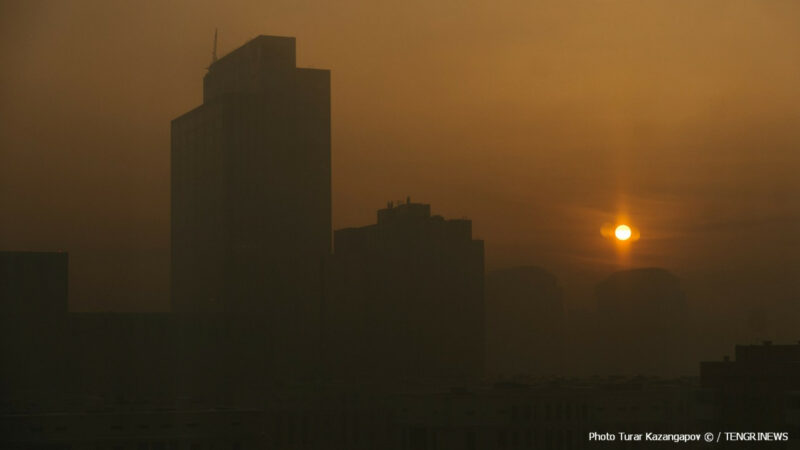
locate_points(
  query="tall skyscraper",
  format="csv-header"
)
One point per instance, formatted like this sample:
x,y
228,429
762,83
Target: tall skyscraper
x,y
251,185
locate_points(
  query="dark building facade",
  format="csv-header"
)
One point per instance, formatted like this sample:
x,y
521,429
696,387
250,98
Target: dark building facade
x,y
47,358
34,282
251,186
406,297
759,390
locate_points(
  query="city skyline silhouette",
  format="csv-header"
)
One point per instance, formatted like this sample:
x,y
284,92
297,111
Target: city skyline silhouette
x,y
234,250
514,176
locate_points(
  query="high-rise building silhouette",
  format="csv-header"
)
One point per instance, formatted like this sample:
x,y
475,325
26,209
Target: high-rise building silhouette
x,y
406,297
251,186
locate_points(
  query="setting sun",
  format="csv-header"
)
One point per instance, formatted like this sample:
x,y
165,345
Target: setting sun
x,y
623,232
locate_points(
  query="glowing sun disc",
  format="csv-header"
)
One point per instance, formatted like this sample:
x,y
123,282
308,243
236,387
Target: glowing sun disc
x,y
623,232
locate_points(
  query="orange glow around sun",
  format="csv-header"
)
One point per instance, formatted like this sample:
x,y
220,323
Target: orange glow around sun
x,y
621,232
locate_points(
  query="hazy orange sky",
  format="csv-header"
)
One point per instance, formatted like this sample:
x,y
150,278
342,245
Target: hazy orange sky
x,y
538,120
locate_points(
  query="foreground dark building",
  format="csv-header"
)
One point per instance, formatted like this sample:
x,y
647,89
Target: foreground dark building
x,y
251,186
406,297
759,390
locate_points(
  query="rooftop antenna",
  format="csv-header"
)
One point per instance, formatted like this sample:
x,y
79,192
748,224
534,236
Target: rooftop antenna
x,y
214,52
